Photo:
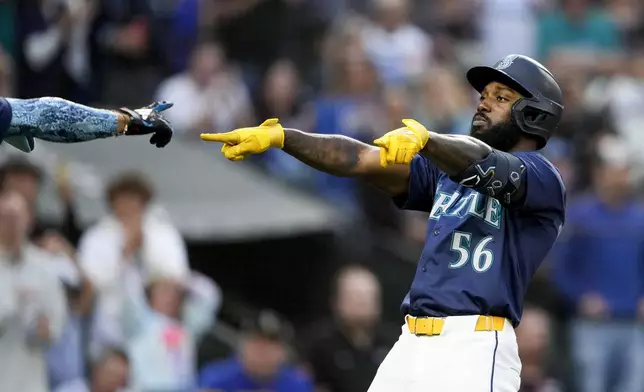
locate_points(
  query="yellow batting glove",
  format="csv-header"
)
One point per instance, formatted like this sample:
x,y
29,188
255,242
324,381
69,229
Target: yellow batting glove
x,y
240,143
400,145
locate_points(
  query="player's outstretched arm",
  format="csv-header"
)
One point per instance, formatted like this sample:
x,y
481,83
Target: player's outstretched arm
x,y
62,121
334,154
346,157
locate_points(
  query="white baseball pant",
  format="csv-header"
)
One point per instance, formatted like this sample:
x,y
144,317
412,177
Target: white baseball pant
x,y
458,359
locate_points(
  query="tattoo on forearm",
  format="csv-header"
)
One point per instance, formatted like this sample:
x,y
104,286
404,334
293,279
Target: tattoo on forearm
x,y
334,154
59,120
454,153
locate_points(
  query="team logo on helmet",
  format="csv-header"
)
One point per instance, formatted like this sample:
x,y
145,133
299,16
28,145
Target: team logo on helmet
x,y
506,62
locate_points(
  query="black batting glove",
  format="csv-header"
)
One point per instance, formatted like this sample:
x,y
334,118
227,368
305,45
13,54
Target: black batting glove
x,y
148,120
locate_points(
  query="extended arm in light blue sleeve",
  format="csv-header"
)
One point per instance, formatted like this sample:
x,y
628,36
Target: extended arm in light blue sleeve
x,y
59,120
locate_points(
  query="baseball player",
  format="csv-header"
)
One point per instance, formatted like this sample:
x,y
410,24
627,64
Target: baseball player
x,y
496,207
62,121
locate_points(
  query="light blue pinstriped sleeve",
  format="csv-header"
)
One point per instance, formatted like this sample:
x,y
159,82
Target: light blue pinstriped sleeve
x,y
59,120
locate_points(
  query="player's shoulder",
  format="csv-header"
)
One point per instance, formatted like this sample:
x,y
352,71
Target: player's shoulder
x,y
535,158
535,161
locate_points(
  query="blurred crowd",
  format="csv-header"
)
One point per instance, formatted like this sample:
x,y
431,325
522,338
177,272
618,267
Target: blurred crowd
x,y
117,305
98,310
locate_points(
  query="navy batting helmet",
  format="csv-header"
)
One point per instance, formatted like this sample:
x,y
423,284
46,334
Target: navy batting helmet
x,y
539,111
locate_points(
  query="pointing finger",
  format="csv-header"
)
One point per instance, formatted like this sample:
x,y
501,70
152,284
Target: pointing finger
x,y
228,138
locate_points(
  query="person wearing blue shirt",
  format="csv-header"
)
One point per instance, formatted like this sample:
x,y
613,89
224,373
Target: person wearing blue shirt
x,y
61,121
598,266
261,364
496,207
578,27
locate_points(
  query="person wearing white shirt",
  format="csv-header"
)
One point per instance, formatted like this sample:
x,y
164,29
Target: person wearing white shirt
x,y
210,96
32,301
131,236
164,319
400,50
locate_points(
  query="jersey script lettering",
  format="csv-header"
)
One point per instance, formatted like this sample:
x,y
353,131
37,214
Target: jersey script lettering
x,y
471,203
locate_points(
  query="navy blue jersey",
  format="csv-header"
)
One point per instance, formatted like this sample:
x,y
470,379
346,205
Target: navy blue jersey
x,y
5,118
6,115
479,256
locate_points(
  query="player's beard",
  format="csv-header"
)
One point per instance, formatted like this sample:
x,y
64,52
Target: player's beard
x,y
502,136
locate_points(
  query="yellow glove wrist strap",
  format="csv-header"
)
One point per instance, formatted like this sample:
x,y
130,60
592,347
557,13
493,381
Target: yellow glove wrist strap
x,y
275,132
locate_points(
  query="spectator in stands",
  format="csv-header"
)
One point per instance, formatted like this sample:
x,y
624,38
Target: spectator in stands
x,y
446,113
261,363
163,320
7,82
584,121
135,235
598,267
22,176
507,26
32,301
109,373
127,56
209,96
284,97
7,27
25,177
377,209
67,359
533,338
621,97
560,152
55,60
255,34
341,41
400,51
579,36
353,107
345,354
627,14
175,29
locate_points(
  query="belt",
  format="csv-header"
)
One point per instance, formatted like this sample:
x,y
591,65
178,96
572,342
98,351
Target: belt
x,y
432,326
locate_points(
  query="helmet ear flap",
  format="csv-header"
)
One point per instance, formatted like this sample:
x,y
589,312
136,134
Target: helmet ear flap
x,y
531,118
